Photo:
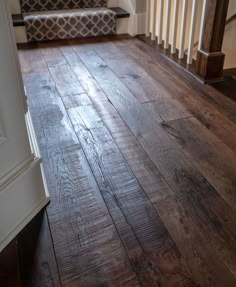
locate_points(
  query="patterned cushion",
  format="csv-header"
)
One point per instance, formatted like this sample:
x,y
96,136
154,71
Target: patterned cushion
x,y
69,24
45,5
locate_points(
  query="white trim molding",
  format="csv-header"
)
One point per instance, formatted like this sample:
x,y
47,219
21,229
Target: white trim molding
x,y
23,190
20,200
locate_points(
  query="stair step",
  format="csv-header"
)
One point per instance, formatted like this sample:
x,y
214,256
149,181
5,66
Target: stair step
x,y
18,19
69,24
120,13
47,5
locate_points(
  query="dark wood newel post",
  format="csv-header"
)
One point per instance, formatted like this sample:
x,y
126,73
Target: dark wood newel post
x,y
210,59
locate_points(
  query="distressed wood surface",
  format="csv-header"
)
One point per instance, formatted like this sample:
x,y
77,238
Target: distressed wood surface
x,y
82,229
140,164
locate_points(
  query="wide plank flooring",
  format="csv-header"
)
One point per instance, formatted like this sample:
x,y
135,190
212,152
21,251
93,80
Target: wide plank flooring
x,y
140,164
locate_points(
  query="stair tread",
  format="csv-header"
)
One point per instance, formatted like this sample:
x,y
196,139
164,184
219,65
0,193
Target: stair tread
x,y
120,12
66,12
69,24
18,19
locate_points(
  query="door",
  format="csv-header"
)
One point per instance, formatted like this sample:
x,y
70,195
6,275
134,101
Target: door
x,y
22,188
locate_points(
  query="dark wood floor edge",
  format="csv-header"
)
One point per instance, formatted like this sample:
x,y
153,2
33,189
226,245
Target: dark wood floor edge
x,y
179,63
188,69
35,45
230,72
53,246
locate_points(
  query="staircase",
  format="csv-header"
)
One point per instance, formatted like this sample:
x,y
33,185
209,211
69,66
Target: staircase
x,y
44,20
190,34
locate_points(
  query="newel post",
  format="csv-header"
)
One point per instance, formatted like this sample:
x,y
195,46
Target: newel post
x,y
210,59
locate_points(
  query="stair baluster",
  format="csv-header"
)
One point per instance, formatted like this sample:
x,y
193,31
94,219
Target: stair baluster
x,y
205,29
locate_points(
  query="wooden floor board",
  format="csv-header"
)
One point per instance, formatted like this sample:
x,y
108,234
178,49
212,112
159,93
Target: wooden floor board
x,y
137,222
218,97
141,84
185,180
214,160
82,229
131,210
214,119
140,165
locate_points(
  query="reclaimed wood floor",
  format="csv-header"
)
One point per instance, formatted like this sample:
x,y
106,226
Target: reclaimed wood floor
x,y
141,168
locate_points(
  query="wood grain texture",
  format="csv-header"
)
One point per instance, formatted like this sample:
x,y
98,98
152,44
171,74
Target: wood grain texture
x,y
83,232
204,104
214,160
140,164
185,180
146,239
169,75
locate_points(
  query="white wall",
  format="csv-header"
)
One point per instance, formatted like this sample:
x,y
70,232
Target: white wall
x,y
229,42
15,6
136,22
113,3
232,8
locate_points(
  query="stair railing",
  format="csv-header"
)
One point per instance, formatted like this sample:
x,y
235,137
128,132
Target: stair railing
x,y
190,32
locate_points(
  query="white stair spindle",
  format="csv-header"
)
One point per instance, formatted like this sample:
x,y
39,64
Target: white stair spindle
x,y
167,23
160,24
147,18
154,17
192,32
202,23
175,26
183,29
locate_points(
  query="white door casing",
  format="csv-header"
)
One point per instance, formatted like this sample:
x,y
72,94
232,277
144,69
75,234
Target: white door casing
x,y
22,189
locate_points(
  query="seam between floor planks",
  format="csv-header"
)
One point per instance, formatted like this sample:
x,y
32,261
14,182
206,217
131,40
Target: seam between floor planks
x,y
152,260
164,202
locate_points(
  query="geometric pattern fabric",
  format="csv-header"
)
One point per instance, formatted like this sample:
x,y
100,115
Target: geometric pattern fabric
x,y
69,23
46,5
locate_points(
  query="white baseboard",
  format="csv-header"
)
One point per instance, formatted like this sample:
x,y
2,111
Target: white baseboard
x,y
23,194
20,34
20,201
137,24
122,26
